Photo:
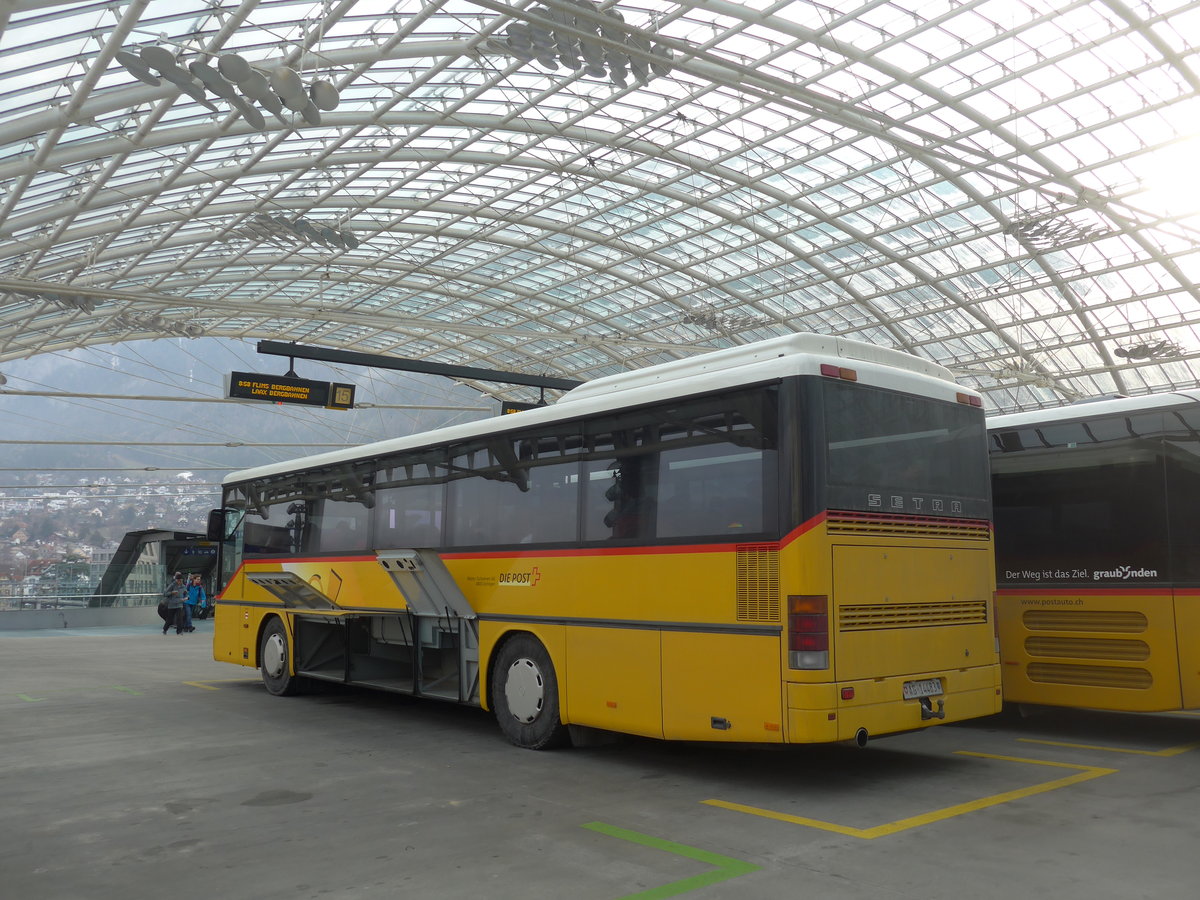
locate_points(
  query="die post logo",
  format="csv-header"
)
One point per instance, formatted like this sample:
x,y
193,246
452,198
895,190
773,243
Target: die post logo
x,y
527,578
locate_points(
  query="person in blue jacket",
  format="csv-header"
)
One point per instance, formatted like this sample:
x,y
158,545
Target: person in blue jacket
x,y
196,598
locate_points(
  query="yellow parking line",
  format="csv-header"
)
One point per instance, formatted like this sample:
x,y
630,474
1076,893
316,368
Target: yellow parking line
x,y
1083,773
1170,751
208,685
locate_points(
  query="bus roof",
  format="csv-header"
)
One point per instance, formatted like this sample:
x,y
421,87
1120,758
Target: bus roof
x,y
732,358
1091,410
794,354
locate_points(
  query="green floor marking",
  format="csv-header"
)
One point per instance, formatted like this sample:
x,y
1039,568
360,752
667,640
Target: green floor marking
x,y
29,699
726,867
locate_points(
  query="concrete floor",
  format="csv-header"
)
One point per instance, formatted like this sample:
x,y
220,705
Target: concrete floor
x,y
136,767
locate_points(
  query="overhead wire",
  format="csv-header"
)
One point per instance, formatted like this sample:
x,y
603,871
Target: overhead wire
x,y
166,455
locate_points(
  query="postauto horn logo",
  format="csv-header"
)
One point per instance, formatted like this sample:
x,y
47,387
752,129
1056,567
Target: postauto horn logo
x,y
520,579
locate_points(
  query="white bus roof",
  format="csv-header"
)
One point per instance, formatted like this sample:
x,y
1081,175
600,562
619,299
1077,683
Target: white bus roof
x,y
1091,410
728,360
795,354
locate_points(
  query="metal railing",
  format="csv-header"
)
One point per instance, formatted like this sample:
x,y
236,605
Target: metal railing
x,y
80,601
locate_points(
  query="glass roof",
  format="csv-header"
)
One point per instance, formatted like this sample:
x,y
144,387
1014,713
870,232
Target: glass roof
x,y
1007,187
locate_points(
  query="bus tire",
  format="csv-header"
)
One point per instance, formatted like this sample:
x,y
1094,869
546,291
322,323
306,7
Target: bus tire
x,y
525,695
274,659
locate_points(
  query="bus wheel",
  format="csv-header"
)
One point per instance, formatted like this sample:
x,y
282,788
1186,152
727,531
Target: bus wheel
x,y
525,695
273,657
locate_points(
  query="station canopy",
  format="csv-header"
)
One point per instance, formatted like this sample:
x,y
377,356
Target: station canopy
x,y
569,188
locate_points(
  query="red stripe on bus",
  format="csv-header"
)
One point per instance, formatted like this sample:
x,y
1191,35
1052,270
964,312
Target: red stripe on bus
x,y
281,560
1103,592
651,550
655,550
812,523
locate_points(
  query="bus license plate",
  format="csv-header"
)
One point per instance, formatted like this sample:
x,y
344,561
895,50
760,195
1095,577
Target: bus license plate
x,y
927,687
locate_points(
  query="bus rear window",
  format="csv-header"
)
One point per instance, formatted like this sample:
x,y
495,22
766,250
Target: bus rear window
x,y
895,452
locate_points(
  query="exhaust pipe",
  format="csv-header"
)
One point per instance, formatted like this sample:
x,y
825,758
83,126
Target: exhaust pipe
x,y
860,738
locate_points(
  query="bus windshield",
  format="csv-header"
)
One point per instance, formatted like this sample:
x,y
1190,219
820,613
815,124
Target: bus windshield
x,y
894,452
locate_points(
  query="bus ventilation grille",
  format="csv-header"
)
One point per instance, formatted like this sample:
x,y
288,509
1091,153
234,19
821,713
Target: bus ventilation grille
x,y
1089,676
1118,621
884,524
869,617
1086,648
758,582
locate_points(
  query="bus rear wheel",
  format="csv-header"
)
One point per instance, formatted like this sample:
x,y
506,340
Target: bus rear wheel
x,y
525,695
275,661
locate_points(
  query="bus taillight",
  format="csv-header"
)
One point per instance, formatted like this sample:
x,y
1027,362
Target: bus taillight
x,y
839,372
808,631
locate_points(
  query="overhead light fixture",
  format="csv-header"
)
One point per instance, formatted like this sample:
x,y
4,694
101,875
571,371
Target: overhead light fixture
x,y
554,39
236,81
1150,350
66,301
161,324
298,230
1050,230
718,321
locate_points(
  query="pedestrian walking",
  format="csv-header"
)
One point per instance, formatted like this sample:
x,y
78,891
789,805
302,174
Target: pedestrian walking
x,y
196,598
175,597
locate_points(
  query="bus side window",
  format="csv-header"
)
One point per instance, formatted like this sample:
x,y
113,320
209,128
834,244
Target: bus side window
x,y
341,525
713,489
620,501
520,488
409,516
266,531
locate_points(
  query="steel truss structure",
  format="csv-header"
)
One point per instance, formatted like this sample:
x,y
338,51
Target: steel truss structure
x,y
1007,187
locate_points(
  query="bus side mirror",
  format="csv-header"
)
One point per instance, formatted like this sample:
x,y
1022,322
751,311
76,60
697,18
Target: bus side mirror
x,y
216,525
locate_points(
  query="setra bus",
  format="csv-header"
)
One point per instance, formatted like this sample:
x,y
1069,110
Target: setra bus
x,y
788,541
1098,600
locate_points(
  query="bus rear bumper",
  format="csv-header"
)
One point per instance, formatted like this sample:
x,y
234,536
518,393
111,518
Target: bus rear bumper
x,y
817,713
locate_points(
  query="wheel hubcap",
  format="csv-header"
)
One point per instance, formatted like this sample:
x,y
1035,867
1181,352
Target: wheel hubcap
x,y
274,655
524,689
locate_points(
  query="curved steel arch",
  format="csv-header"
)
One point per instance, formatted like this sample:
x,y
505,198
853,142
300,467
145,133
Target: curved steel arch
x,y
750,188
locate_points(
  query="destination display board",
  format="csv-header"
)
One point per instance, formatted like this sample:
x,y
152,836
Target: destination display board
x,y
284,389
510,406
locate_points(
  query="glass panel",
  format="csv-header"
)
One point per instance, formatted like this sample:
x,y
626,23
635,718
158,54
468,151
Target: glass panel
x,y
515,489
1182,453
701,467
1087,501
409,516
340,525
1074,515
266,528
712,489
893,452
621,490
411,501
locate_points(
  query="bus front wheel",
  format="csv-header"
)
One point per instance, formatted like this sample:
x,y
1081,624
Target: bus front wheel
x,y
525,695
275,661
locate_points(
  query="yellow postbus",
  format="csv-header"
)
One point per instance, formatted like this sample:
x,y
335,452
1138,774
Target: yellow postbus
x,y
788,541
1098,599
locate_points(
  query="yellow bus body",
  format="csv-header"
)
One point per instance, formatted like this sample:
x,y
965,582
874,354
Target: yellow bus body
x,y
690,642
1102,648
